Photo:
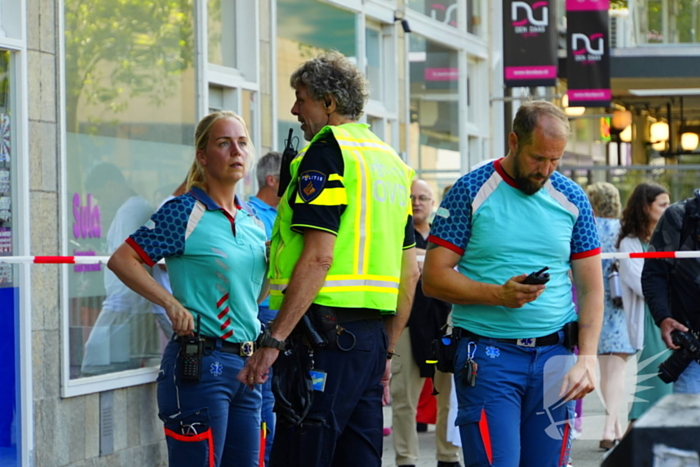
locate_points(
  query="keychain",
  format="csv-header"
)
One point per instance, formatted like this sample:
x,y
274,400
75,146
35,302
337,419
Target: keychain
x,y
471,366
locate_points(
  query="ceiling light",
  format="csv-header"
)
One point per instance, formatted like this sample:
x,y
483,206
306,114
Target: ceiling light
x,y
626,134
689,141
659,132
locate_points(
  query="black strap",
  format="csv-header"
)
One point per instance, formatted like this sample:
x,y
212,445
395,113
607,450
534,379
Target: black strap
x,y
288,156
690,222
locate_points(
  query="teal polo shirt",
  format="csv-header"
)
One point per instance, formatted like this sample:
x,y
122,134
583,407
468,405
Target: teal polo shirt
x,y
216,263
501,232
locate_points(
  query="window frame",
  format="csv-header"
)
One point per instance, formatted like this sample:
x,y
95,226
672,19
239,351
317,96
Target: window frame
x,y
17,46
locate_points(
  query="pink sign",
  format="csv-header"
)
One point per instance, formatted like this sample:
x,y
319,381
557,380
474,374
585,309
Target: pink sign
x,y
589,95
441,74
587,5
86,219
5,240
531,72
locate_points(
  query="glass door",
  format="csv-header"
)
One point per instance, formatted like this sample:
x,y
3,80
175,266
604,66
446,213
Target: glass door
x,y
9,278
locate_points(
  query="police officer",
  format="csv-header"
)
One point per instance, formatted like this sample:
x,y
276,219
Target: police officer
x,y
342,247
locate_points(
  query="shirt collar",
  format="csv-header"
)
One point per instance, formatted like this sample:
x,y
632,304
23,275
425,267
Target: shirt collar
x,y
202,196
262,204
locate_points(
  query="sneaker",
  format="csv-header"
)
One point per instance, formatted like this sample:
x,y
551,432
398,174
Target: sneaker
x,y
421,427
448,464
386,431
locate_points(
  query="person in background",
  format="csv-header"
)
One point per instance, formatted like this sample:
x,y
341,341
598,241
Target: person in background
x,y
214,249
264,206
124,330
515,375
614,345
672,287
410,370
644,208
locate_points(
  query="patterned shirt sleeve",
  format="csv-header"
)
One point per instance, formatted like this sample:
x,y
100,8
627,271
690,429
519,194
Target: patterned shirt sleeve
x,y
452,223
164,234
584,238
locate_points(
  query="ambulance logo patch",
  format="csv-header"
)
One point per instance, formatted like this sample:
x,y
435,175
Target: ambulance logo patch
x,y
311,185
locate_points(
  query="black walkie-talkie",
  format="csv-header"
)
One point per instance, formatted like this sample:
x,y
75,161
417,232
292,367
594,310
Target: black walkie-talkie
x,y
192,356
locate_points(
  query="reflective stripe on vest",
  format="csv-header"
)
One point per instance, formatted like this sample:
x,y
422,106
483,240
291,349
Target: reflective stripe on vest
x,y
366,266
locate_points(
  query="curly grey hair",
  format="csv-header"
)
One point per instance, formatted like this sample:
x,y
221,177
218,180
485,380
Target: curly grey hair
x,y
332,74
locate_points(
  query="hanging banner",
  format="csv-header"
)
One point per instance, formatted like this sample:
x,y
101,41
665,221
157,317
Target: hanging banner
x,y
588,53
530,43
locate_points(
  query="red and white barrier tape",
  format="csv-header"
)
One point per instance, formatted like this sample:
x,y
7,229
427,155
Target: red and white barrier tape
x,y
54,259
104,259
652,254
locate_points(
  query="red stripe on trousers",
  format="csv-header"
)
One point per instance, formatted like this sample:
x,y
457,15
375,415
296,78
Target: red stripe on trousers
x,y
485,436
564,456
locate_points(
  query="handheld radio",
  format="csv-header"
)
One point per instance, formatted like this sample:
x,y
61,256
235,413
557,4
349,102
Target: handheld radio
x,y
192,356
536,278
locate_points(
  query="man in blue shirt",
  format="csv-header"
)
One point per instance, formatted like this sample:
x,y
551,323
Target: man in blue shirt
x,y
515,379
264,206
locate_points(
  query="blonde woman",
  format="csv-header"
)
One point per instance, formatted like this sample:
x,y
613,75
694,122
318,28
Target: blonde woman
x,y
614,344
215,254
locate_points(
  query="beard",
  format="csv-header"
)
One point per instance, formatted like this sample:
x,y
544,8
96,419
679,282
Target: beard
x,y
527,183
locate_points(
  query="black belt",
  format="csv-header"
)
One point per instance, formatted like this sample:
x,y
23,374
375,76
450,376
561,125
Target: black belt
x,y
243,349
550,339
348,315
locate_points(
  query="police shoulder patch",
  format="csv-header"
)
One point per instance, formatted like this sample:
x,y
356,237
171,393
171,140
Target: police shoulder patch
x,y
311,185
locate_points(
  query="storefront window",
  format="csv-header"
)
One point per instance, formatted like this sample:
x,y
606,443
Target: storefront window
x,y
474,18
434,128
9,299
222,34
304,29
130,117
444,11
373,46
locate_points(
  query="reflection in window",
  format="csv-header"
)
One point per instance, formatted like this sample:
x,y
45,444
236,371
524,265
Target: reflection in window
x,y
434,129
130,116
222,32
474,17
444,11
304,29
373,44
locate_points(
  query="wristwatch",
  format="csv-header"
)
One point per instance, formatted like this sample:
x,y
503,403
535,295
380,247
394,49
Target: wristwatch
x,y
266,340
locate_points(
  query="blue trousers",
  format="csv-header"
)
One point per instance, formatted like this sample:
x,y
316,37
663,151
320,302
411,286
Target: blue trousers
x,y
344,426
513,416
688,381
214,422
265,315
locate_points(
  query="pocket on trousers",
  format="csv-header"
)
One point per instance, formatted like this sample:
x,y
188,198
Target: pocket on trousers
x,y
189,438
479,434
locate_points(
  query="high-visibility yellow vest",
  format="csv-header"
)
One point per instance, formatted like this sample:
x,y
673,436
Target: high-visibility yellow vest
x,y
368,249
